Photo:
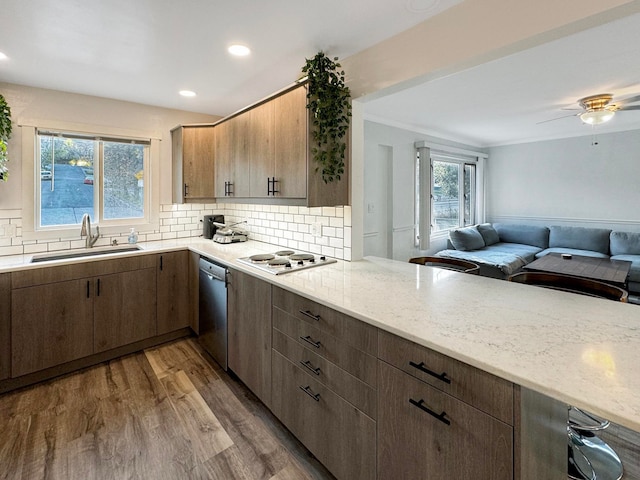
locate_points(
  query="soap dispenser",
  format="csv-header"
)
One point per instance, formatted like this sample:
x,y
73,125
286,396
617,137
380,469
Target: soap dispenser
x,y
133,236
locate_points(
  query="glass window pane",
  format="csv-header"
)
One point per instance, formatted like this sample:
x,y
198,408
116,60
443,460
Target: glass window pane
x,y
123,178
66,180
446,202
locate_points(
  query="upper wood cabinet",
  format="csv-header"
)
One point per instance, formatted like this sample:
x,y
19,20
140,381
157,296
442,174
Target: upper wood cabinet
x,y
193,163
265,153
231,159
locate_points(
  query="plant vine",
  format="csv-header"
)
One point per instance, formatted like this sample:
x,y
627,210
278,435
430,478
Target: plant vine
x,y
5,134
329,101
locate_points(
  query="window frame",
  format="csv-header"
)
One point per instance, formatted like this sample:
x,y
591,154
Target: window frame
x,y
462,163
31,173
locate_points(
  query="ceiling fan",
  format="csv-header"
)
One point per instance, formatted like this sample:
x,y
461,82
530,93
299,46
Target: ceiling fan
x,y
598,108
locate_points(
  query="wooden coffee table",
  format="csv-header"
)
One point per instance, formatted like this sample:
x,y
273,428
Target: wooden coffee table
x,y
614,272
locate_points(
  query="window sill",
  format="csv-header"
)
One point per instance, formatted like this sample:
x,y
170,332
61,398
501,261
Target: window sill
x,y
66,234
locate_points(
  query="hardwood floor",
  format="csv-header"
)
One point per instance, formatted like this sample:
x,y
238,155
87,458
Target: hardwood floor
x,y
166,413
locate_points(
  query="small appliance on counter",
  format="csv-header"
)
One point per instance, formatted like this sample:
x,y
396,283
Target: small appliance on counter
x,y
208,225
230,233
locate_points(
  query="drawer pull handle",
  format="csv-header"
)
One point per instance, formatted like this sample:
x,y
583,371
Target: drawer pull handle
x,y
310,341
307,390
308,313
308,366
420,366
421,406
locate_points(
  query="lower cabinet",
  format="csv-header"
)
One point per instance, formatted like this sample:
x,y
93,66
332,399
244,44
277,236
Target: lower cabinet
x,y
249,332
5,325
124,310
64,313
341,436
172,310
51,324
424,433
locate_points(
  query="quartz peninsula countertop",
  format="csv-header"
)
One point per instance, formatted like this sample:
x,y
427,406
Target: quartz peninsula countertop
x,y
580,350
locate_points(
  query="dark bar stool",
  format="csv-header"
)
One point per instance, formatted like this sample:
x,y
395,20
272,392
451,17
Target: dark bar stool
x,y
569,283
448,264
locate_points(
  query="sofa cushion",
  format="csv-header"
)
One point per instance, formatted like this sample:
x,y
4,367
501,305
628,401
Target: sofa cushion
x,y
526,252
507,263
581,238
634,272
467,238
524,234
624,243
488,233
572,251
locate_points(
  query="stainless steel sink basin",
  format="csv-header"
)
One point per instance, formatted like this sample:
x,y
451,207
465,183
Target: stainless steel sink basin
x,y
85,252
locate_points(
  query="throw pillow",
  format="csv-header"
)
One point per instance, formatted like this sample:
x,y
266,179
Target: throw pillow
x,y
488,233
467,238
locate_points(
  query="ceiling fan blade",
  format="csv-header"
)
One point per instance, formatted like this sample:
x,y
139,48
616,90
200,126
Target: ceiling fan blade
x,y
554,119
631,100
631,107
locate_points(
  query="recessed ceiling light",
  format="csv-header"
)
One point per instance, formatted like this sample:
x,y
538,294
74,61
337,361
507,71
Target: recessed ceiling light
x,y
187,93
3,56
239,50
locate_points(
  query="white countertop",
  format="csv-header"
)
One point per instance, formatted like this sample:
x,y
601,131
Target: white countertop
x,y
579,350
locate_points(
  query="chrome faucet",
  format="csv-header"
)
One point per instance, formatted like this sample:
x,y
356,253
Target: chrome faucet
x,y
86,230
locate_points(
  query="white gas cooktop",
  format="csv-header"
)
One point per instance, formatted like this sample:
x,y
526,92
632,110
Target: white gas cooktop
x,y
285,261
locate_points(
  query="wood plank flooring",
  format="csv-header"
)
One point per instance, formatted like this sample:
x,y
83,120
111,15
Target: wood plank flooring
x,y
166,413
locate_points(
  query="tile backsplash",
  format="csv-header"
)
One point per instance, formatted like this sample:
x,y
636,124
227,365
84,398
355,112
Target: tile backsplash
x,y
320,230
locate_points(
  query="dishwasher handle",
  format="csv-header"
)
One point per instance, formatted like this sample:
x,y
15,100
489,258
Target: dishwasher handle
x,y
213,270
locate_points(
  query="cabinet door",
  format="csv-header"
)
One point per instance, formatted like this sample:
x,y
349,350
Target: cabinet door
x,y
172,291
124,308
413,443
249,332
291,143
261,151
5,325
231,159
51,324
198,162
339,435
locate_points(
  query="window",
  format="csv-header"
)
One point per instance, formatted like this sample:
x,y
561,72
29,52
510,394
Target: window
x,y
448,190
79,173
452,193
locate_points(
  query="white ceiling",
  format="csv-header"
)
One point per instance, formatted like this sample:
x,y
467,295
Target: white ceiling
x,y
147,50
501,102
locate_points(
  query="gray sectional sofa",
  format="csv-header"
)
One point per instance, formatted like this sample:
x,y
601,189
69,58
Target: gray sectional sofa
x,y
503,249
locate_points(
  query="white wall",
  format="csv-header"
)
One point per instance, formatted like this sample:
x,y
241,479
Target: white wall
x,y
400,143
567,181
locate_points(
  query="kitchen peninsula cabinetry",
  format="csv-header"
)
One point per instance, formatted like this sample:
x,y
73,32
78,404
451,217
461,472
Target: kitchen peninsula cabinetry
x,y
193,163
249,332
5,325
81,309
440,418
172,270
324,383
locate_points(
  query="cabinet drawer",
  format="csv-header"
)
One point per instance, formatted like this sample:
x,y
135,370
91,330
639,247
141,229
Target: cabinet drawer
x,y
359,334
413,443
487,392
339,435
355,391
354,361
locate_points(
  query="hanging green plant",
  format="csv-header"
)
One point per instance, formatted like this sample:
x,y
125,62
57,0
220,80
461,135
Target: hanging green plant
x,y
5,134
329,101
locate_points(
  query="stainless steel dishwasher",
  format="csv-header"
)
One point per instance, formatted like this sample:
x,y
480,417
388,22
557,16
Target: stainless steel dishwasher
x,y
213,310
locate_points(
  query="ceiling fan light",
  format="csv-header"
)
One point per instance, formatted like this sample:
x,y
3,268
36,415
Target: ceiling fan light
x,y
596,117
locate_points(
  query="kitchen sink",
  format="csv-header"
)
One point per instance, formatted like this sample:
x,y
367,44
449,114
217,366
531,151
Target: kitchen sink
x,y
85,252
